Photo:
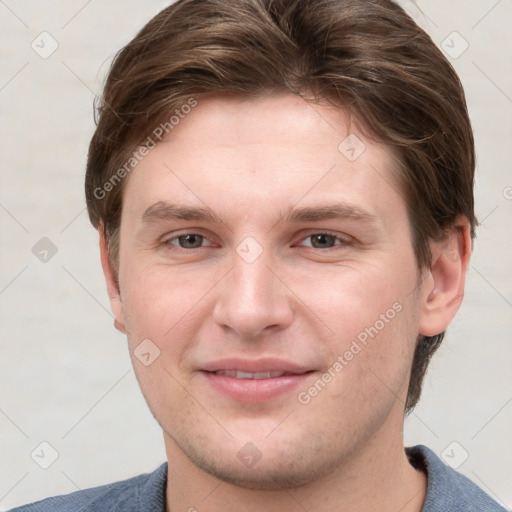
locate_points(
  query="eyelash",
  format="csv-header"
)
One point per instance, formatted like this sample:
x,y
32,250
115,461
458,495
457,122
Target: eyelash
x,y
170,241
339,240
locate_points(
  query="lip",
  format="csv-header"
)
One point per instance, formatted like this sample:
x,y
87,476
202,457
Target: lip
x,y
254,390
255,365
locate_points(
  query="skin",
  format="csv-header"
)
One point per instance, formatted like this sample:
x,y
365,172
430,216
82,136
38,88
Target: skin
x,y
250,163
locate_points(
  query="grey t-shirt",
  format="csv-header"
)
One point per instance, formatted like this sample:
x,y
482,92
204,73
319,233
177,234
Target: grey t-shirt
x,y
448,491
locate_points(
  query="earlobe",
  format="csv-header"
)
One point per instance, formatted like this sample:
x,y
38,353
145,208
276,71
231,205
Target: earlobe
x,y
443,288
112,283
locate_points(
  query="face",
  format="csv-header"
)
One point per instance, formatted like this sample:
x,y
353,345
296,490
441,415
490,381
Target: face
x,y
270,268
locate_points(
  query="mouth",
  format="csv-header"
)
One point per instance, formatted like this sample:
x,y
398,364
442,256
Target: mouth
x,y
239,374
254,380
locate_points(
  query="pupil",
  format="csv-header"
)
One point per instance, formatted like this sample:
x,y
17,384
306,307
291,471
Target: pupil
x,y
190,241
323,240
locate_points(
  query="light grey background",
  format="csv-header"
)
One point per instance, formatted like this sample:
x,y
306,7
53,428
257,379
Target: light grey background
x,y
65,373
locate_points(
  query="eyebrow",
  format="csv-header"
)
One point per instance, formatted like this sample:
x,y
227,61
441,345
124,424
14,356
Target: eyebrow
x,y
164,211
332,211
167,211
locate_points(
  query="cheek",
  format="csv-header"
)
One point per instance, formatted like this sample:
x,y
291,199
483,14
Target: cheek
x,y
354,298
372,319
164,305
367,372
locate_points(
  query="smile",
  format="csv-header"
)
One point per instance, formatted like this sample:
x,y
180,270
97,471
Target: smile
x,y
239,374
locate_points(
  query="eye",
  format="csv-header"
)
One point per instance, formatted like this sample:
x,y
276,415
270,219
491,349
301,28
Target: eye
x,y
188,241
323,241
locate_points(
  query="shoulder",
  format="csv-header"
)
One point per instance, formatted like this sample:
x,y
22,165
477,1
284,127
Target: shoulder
x,y
140,493
449,490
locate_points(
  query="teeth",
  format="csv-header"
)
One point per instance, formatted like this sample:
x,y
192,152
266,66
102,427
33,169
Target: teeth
x,y
249,375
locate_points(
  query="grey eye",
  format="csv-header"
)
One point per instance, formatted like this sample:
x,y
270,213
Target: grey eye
x,y
189,241
322,241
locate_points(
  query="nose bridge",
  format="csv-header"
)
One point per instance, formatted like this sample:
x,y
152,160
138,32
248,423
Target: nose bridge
x,y
252,280
253,299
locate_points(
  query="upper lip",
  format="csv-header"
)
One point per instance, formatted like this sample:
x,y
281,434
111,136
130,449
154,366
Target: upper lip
x,y
255,365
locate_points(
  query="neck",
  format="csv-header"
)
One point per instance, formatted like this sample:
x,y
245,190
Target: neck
x,y
377,477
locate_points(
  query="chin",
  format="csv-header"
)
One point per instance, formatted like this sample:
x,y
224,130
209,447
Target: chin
x,y
277,472
268,477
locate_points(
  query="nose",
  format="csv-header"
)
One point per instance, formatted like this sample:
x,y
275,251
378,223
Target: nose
x,y
253,300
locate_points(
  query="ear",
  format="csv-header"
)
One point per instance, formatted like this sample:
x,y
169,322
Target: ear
x,y
112,284
443,286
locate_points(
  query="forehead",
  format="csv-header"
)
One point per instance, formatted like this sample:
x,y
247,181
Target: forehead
x,y
255,156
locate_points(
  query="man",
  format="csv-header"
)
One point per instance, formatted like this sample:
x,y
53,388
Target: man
x,y
283,194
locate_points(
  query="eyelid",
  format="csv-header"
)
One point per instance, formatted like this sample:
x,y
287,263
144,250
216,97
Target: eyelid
x,y
168,238
312,231
343,238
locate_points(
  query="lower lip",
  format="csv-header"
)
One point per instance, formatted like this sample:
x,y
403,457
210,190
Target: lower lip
x,y
254,390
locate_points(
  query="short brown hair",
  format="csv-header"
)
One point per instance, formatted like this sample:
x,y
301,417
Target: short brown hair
x,y
367,57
